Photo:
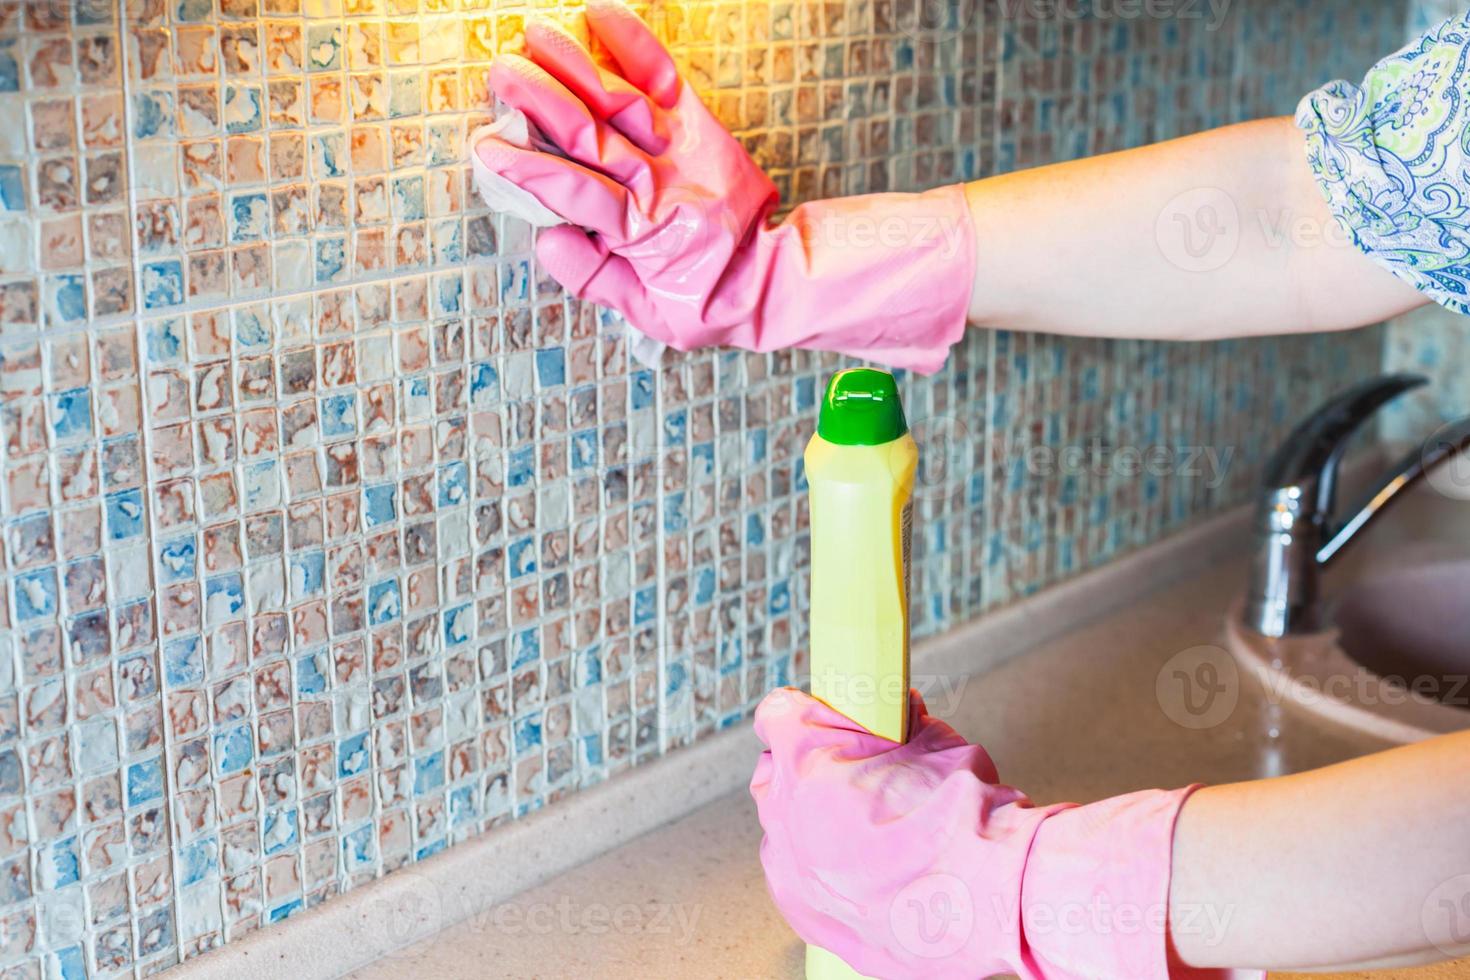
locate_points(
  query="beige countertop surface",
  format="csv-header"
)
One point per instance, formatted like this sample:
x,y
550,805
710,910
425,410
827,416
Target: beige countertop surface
x,y
1086,716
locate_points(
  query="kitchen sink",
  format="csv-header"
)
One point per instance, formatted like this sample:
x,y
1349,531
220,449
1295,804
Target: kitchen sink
x,y
1393,657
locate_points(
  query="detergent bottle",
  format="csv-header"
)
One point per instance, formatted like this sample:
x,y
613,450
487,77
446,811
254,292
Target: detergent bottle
x,y
860,471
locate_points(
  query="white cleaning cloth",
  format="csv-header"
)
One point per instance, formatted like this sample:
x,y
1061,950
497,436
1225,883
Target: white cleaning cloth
x,y
500,194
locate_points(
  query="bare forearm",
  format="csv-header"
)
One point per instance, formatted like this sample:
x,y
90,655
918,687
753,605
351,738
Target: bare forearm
x,y
1216,235
1355,865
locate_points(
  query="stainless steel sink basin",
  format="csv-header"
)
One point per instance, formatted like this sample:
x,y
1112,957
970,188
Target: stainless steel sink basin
x,y
1394,660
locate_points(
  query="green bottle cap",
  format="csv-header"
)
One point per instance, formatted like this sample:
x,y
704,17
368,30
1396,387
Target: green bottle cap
x,y
861,408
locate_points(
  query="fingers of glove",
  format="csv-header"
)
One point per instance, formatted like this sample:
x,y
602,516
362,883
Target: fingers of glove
x,y
592,273
800,730
581,196
641,58
760,780
936,745
589,271
609,97
928,732
796,727
777,715
564,118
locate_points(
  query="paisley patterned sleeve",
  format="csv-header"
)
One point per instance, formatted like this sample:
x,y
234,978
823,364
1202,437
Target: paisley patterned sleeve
x,y
1392,157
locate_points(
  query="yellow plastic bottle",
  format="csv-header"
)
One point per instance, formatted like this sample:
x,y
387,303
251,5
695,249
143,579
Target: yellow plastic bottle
x,y
860,472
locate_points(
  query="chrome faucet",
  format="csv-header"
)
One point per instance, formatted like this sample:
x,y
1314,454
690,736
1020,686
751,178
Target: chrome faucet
x,y
1295,531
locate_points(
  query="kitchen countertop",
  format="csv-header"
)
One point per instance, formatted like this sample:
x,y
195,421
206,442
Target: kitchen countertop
x,y
1080,718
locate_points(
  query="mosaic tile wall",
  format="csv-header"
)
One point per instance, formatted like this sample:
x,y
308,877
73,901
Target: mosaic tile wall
x,y
1434,342
334,534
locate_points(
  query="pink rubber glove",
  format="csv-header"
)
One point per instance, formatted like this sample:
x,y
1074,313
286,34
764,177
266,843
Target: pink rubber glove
x,y
676,215
913,861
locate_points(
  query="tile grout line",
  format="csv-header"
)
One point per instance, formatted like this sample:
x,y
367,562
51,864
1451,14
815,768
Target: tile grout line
x,y
987,467
741,614
150,506
501,359
660,625
717,468
987,586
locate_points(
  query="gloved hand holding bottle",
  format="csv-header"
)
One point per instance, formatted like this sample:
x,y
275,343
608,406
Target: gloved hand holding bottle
x,y
913,860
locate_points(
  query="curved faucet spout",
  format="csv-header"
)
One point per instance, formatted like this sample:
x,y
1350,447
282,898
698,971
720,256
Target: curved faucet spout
x,y
1445,445
1295,536
1312,452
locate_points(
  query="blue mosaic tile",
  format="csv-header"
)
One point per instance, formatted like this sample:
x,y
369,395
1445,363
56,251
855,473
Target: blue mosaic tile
x,y
328,155
145,782
70,963
165,341
642,394
522,467
176,560
35,594
453,484
339,415
183,662
196,863
153,114
71,416
242,109
249,217
357,848
9,67
428,774
284,911
234,749
458,626
125,515
408,198
279,830
69,298
528,734
323,47
352,755
12,188
163,284
308,574
384,604
379,507
522,556
526,647
310,679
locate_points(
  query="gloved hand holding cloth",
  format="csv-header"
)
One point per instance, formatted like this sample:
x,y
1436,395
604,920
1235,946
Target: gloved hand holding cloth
x,y
669,220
